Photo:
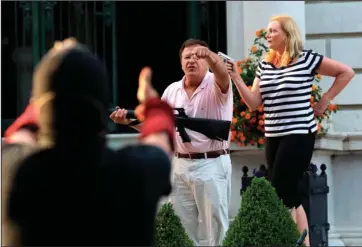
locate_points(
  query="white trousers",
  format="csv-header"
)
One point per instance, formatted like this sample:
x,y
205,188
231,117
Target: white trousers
x,y
201,190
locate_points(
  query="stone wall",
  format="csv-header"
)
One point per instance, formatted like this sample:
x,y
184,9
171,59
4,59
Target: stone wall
x,y
334,29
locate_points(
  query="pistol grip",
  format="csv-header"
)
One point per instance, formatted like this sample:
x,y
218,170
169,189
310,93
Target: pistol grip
x,y
184,136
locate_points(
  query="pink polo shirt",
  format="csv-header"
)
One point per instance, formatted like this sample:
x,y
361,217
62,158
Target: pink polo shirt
x,y
207,102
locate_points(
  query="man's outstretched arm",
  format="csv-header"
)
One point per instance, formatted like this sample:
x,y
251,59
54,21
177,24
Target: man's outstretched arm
x,y
219,69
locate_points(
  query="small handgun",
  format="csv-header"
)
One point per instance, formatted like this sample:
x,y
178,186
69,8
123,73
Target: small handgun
x,y
224,57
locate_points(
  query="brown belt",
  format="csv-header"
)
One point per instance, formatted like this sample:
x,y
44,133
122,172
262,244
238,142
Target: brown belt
x,y
208,155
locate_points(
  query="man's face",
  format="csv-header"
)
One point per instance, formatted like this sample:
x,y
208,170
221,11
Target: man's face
x,y
192,65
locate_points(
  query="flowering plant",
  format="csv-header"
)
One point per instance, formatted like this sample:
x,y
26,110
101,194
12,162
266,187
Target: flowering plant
x,y
247,127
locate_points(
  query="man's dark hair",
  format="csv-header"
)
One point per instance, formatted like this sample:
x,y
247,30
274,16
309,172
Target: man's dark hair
x,y
192,42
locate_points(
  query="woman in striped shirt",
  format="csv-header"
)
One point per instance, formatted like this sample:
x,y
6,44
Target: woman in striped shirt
x,y
283,83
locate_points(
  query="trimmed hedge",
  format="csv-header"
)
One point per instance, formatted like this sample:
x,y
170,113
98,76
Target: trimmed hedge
x,y
169,230
262,220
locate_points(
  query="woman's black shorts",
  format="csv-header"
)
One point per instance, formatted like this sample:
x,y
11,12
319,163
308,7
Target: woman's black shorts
x,y
288,157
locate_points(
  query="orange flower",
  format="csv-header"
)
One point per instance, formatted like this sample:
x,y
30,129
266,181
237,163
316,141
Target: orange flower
x,y
261,140
257,33
261,108
332,107
235,120
240,70
242,62
319,76
247,116
233,134
261,122
254,49
314,87
242,113
241,136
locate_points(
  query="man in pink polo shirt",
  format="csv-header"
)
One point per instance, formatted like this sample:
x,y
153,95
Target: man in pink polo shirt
x,y
202,168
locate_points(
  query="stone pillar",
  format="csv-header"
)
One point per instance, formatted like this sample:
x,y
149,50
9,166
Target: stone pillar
x,y
235,29
245,17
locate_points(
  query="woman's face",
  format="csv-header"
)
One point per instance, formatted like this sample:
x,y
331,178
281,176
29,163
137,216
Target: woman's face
x,y
276,37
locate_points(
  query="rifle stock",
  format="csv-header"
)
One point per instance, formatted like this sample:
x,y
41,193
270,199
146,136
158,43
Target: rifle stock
x,y
214,129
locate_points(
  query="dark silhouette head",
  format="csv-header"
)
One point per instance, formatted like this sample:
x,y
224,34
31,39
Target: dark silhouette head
x,y
70,89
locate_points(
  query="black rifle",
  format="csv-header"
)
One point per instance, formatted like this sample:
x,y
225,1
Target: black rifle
x,y
214,129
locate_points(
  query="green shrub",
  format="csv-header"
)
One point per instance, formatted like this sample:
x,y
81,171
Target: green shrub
x,y
262,219
169,230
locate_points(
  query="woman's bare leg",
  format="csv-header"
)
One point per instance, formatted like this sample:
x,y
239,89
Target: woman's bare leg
x,y
302,223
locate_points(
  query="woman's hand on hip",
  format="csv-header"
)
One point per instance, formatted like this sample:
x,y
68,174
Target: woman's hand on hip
x,y
321,106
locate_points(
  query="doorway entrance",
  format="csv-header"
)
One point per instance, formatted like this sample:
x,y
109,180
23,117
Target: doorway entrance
x,y
125,35
151,34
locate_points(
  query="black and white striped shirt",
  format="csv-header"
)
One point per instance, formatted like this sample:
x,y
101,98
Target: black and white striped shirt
x,y
286,93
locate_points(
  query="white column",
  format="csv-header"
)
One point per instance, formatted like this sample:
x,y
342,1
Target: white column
x,y
244,18
235,29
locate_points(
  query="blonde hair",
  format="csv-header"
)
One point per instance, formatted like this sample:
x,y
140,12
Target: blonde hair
x,y
294,44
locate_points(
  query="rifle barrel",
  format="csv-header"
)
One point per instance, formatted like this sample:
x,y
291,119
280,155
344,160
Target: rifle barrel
x,y
130,114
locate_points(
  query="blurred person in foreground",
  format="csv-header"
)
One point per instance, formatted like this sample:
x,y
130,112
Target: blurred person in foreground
x,y
19,142
75,191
